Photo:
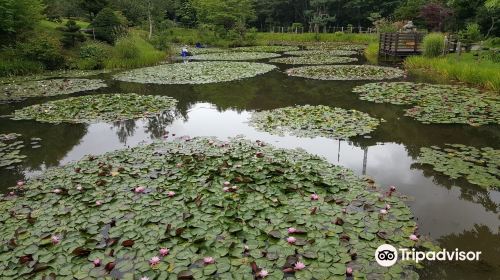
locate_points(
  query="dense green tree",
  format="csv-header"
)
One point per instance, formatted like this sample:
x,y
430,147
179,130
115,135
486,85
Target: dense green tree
x,y
109,25
17,16
224,13
72,34
93,7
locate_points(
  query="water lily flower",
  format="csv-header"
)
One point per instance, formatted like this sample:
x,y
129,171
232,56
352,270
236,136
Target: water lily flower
x,y
314,196
392,188
98,203
348,271
139,189
154,261
56,239
208,260
179,165
79,188
170,194
234,188
292,230
12,193
387,206
246,247
263,273
145,278
20,183
383,211
291,240
226,189
227,184
164,251
97,262
299,266
238,166
413,237
57,191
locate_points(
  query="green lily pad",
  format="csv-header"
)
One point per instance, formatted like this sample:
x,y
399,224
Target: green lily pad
x,y
235,56
48,88
68,218
96,108
346,72
195,72
478,166
313,121
10,149
322,53
316,59
270,49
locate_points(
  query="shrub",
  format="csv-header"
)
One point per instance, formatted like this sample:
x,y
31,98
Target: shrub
x,y
133,51
433,45
19,66
72,34
44,49
109,25
93,55
471,34
371,53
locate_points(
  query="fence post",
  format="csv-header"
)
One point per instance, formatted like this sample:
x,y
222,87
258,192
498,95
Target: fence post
x,y
397,45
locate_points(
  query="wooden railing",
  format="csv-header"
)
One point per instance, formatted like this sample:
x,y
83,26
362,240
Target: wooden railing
x,y
401,43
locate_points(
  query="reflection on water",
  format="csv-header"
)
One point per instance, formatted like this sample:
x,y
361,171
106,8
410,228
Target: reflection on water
x,y
453,212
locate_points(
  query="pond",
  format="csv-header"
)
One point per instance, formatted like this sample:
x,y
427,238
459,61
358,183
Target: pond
x,y
454,213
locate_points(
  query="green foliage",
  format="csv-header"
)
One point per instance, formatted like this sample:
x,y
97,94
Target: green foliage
x,y
471,34
133,51
465,68
433,45
14,66
109,25
72,34
17,16
93,55
10,150
371,53
346,72
44,49
92,7
266,38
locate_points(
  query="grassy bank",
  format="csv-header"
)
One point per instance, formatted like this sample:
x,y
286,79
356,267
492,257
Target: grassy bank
x,y
371,53
265,38
465,68
133,51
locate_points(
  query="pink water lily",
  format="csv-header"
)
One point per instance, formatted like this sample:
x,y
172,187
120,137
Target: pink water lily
x,y
344,210
79,188
97,262
299,266
170,194
208,260
314,196
57,191
12,193
55,239
139,189
179,165
263,273
164,251
145,278
226,189
227,184
291,240
154,261
387,206
98,203
413,237
348,271
383,211
20,183
392,188
292,230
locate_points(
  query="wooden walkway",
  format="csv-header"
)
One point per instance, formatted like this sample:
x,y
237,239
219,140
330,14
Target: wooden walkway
x,y
401,44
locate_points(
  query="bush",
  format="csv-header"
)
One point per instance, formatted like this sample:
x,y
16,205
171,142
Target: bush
x,y
93,55
433,45
133,51
19,66
44,49
109,25
371,53
471,34
72,34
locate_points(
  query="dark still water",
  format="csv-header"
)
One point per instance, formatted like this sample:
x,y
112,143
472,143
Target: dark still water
x,y
452,212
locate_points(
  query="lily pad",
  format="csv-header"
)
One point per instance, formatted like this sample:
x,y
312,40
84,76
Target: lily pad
x,y
235,56
320,52
313,121
346,72
311,60
436,103
45,88
97,108
270,49
195,72
10,149
478,166
52,75
334,46
74,219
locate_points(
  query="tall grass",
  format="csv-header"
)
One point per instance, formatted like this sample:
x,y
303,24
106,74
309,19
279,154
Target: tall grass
x,y
371,53
133,51
18,67
433,45
265,38
465,68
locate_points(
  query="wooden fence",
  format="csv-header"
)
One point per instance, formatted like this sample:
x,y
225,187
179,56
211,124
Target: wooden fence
x,y
401,44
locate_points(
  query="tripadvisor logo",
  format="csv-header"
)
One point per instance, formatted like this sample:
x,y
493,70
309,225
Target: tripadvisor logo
x,y
387,255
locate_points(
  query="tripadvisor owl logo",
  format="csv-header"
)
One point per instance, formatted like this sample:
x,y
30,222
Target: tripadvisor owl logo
x,y
387,255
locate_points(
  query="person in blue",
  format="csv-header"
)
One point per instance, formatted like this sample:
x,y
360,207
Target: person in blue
x,y
184,54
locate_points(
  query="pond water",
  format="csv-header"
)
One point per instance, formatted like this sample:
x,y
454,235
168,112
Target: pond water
x,y
452,212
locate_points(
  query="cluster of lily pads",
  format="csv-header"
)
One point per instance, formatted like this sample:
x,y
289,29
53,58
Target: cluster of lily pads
x,y
195,72
313,59
478,166
202,209
235,56
43,88
436,103
271,49
10,149
346,72
313,121
335,46
95,108
53,75
323,53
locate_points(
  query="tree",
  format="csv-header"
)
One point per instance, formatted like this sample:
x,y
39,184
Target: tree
x,y
93,7
72,34
320,16
493,8
109,25
17,16
435,14
225,14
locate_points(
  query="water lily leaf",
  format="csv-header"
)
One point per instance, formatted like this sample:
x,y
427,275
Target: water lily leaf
x,y
346,72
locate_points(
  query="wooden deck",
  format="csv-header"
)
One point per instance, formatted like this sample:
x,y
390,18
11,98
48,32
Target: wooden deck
x,y
400,44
